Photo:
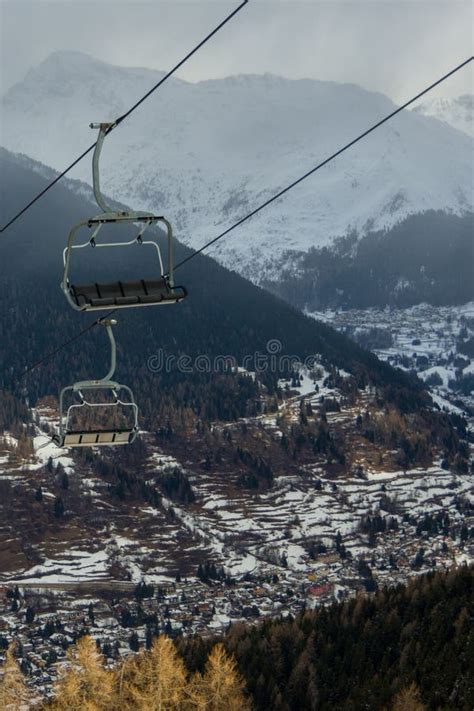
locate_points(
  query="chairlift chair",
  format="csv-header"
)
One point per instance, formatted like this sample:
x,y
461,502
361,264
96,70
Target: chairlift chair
x,y
69,436
119,294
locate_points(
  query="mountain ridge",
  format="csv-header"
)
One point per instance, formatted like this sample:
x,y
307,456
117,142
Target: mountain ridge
x,y
210,152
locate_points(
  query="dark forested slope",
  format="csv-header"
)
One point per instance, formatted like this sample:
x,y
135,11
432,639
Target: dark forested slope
x,y
360,654
426,258
224,314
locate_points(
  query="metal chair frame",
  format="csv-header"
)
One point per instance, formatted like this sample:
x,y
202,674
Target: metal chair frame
x,y
65,434
110,216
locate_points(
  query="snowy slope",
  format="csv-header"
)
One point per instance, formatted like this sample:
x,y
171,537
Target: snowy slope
x,y
458,112
204,154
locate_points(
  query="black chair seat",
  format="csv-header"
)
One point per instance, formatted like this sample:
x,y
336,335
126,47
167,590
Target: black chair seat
x,y
95,438
125,293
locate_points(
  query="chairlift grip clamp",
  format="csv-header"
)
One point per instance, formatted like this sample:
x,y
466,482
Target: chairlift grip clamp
x,y
107,322
103,125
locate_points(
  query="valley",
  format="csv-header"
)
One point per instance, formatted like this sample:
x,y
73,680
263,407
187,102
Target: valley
x,y
436,342
328,455
195,536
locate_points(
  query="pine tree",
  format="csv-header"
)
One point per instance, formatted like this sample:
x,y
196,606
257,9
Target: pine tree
x,y
58,507
134,642
14,694
302,682
85,685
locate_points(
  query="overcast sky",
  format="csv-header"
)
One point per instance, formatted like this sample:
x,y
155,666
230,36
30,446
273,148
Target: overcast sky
x,y
392,46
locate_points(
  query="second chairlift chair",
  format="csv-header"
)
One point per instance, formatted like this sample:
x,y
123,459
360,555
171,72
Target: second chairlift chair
x,y
84,436
115,295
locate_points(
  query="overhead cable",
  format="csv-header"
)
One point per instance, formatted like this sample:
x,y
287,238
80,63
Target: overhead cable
x,y
321,164
119,120
273,198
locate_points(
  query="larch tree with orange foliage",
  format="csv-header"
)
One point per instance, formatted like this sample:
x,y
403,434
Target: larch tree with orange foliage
x,y
85,685
221,687
14,694
154,680
408,699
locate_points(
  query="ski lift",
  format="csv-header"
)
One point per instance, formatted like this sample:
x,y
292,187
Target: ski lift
x,y
70,436
120,294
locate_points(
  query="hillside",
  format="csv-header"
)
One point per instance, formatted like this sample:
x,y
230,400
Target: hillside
x,y
206,154
224,314
365,653
251,491
426,258
303,425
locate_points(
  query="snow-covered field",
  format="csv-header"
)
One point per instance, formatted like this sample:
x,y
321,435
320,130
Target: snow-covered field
x,y
242,532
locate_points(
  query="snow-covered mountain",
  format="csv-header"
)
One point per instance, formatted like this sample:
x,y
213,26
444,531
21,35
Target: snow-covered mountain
x,y
205,154
458,112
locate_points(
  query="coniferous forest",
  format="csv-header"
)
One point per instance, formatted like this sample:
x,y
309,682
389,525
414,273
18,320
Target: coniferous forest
x,y
413,642
209,323
424,258
407,648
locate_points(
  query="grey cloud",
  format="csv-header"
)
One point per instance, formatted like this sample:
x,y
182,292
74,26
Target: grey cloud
x,y
391,46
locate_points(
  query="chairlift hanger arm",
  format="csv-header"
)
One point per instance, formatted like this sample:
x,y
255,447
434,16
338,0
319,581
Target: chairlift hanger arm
x,y
159,289
106,381
103,128
100,296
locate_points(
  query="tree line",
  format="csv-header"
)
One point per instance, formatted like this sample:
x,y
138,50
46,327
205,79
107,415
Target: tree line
x,y
152,680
